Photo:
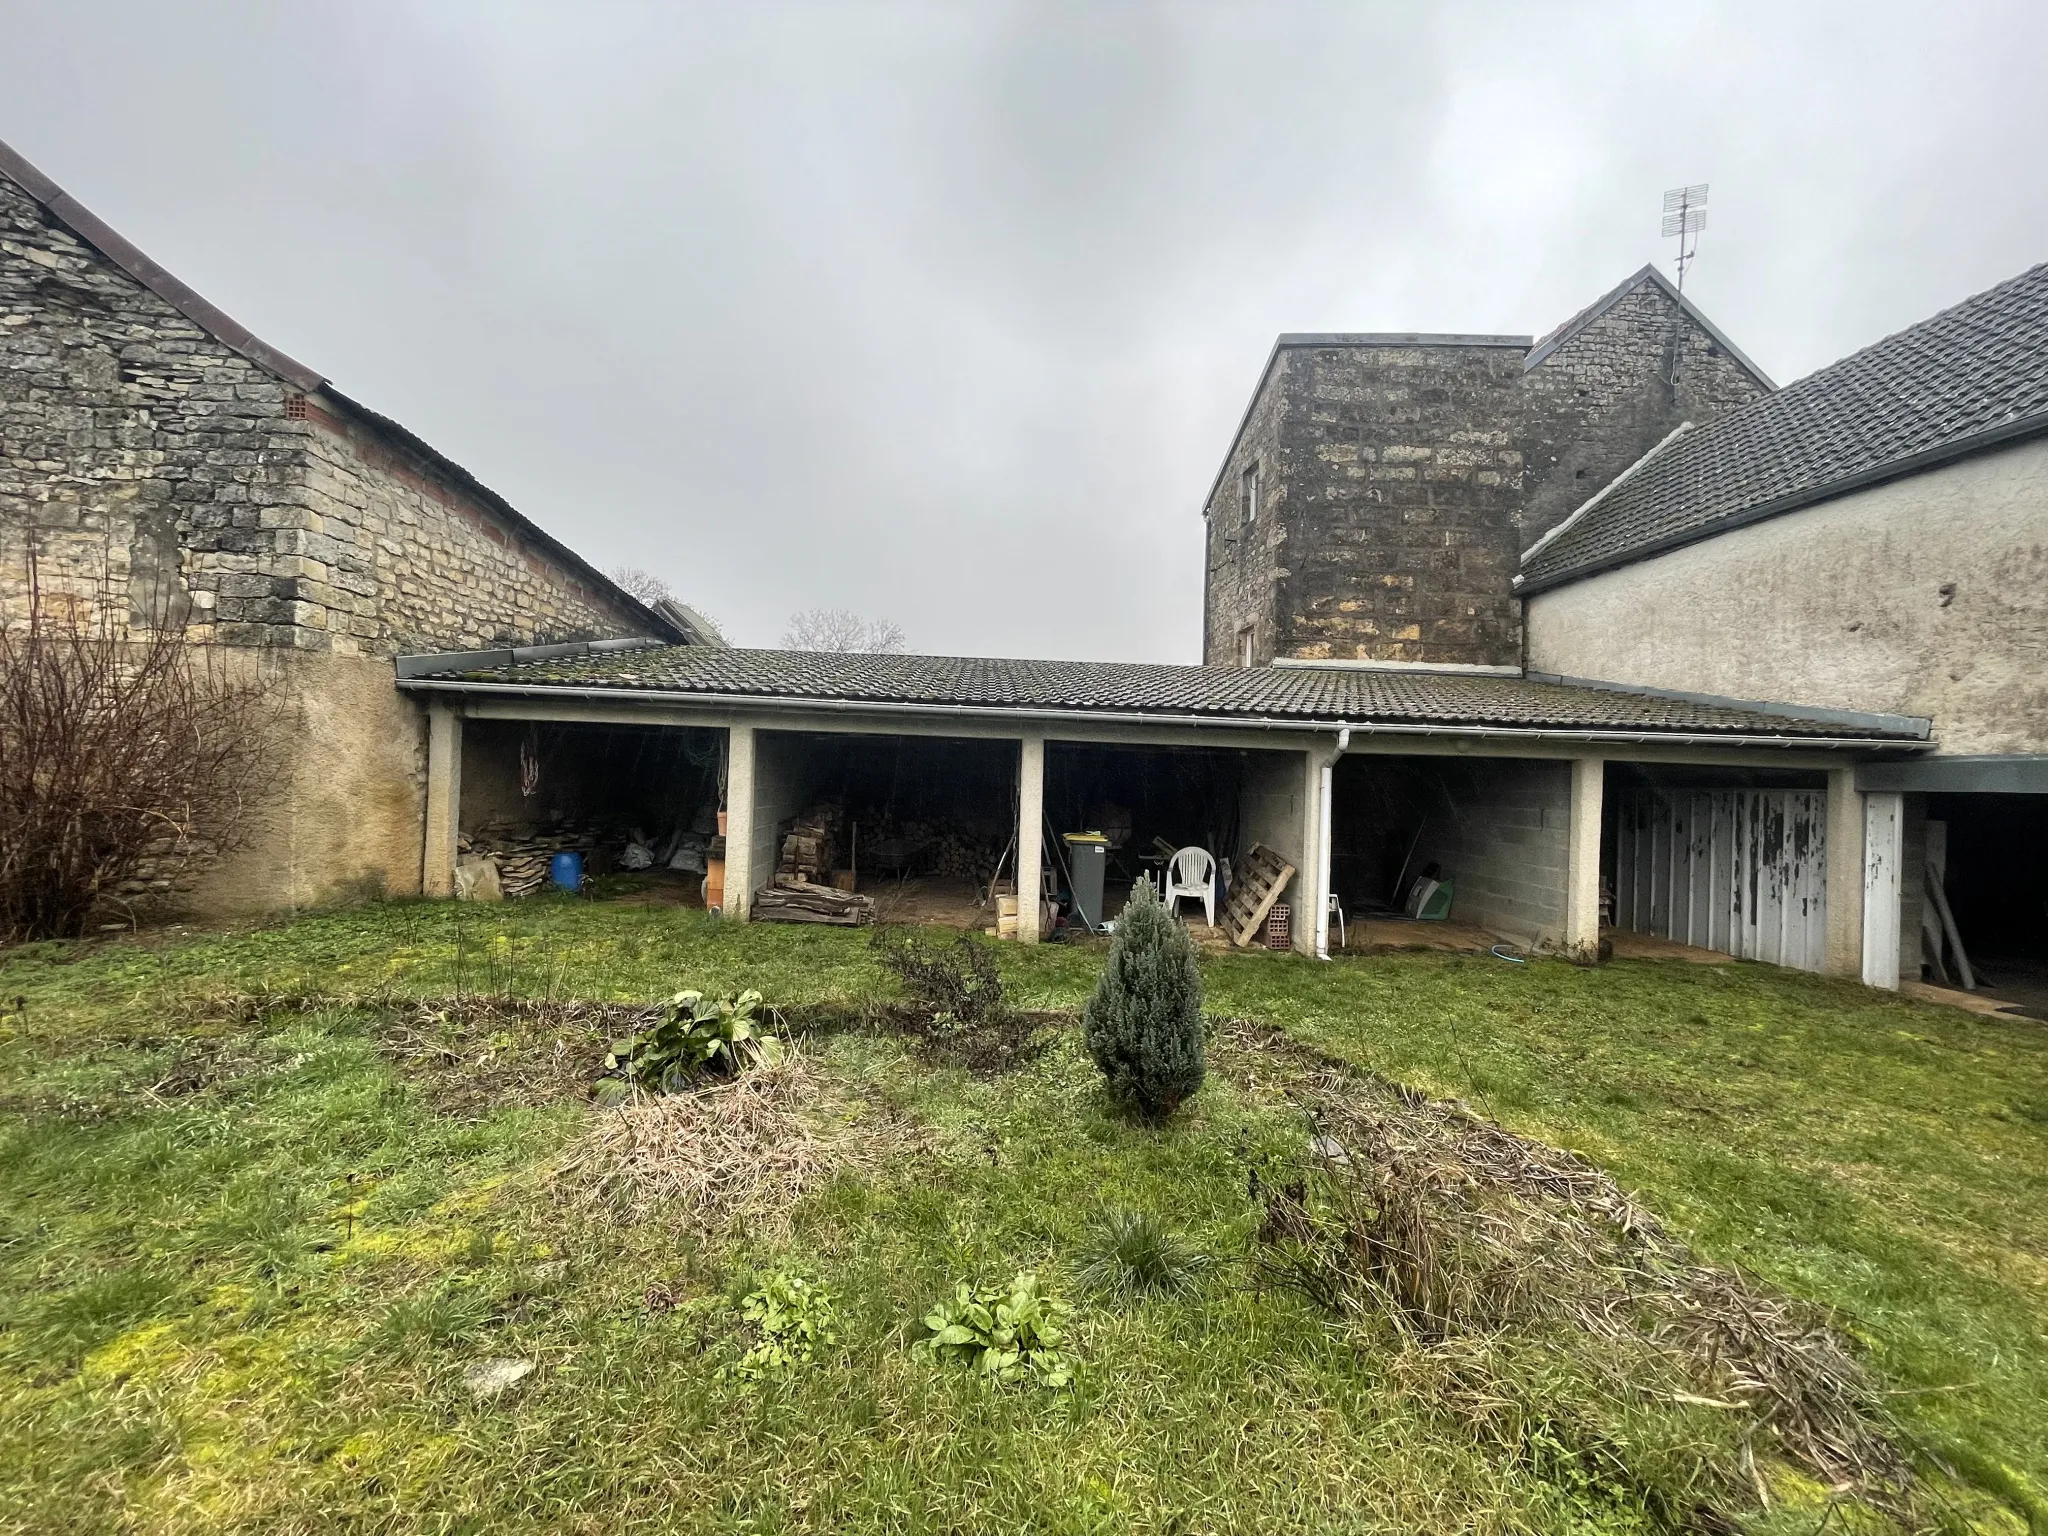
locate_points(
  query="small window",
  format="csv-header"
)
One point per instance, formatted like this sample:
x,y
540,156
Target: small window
x,y
1244,646
1248,492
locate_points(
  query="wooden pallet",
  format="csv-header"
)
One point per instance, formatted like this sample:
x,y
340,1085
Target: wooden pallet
x,y
1253,890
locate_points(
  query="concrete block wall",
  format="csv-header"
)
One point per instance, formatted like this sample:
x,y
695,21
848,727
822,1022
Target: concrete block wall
x,y
1507,846
787,771
1274,809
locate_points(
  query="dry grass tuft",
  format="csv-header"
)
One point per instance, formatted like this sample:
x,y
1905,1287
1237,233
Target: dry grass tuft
x,y
742,1150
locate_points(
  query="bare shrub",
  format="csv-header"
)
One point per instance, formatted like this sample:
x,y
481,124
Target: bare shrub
x,y
956,984
118,752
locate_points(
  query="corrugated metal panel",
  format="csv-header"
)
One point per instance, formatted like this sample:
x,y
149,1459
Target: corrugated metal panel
x,y
1743,871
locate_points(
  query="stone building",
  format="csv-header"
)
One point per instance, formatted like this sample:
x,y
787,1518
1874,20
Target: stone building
x,y
1381,488
155,452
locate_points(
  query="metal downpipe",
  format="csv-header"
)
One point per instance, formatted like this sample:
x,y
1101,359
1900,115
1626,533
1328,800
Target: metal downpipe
x,y
1325,800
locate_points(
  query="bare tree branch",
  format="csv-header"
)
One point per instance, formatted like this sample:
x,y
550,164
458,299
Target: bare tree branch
x,y
836,629
645,585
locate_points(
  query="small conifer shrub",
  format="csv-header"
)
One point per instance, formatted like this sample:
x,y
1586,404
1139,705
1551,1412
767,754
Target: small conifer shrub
x,y
1144,1021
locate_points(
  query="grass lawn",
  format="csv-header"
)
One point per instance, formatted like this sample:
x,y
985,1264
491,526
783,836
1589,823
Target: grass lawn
x,y
247,1251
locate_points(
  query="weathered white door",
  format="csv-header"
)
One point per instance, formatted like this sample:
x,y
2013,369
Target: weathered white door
x,y
1743,871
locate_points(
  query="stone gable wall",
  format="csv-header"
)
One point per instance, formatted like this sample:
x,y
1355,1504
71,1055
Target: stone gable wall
x,y
135,446
131,442
1609,394
387,555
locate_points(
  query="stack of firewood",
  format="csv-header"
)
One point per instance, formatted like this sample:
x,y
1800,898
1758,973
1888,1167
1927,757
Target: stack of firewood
x,y
524,852
811,846
799,901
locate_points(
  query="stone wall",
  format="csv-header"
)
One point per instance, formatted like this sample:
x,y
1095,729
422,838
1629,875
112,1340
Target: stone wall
x,y
386,553
144,459
1610,392
133,446
1401,478
1245,558
138,448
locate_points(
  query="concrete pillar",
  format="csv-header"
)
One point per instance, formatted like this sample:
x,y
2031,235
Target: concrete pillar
x,y
1307,891
1582,862
1030,835
739,821
444,801
1844,947
1883,863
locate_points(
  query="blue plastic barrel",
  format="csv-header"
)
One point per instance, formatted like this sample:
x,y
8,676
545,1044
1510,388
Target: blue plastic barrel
x,y
566,870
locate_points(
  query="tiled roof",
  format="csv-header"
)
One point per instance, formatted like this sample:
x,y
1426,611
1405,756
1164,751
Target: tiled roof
x,y
1304,694
1969,377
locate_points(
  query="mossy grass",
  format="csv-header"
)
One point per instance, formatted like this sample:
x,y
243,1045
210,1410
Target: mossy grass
x,y
246,1255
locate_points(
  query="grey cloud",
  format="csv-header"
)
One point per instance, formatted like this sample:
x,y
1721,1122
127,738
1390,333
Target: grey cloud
x,y
946,312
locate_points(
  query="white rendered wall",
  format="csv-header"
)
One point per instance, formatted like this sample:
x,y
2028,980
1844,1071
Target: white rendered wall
x,y
1927,596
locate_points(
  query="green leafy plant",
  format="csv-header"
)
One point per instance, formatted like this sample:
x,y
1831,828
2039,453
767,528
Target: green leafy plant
x,y
1008,1333
792,1319
697,1037
1132,1252
1144,1020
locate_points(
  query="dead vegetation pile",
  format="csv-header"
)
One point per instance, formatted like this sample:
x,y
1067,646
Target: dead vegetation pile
x,y
1485,1252
733,1151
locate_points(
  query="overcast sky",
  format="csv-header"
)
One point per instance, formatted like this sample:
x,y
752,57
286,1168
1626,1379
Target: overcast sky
x,y
946,313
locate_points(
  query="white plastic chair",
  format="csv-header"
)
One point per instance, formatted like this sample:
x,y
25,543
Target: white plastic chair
x,y
1193,873
1336,910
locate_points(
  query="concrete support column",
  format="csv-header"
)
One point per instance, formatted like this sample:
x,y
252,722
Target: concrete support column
x,y
1844,946
1030,835
1884,828
1582,863
1306,892
739,821
444,801
1319,917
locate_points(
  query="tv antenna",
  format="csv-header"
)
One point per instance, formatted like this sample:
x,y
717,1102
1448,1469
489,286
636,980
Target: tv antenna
x,y
1685,215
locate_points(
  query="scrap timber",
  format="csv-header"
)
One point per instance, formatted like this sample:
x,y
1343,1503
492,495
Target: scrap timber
x,y
1256,885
